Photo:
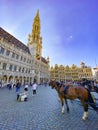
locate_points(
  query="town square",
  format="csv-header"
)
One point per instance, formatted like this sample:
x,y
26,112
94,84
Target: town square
x,y
48,65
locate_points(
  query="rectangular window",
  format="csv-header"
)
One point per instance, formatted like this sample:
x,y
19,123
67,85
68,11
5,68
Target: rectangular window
x,y
26,70
21,58
19,69
24,59
29,71
28,61
4,66
2,50
15,67
10,68
17,57
23,70
13,55
7,52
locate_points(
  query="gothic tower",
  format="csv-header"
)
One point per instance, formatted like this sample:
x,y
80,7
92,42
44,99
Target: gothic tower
x,y
34,39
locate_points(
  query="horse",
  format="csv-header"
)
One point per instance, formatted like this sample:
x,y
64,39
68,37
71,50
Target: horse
x,y
74,92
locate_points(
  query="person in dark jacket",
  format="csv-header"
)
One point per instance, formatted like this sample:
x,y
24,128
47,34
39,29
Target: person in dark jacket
x,y
18,86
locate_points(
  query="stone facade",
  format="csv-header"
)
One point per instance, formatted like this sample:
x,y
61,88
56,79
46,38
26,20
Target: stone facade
x,y
95,73
21,62
73,73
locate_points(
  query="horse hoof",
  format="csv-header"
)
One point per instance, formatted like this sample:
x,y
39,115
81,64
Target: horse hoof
x,y
83,119
62,112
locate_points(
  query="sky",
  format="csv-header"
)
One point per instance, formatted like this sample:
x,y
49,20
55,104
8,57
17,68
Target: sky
x,y
69,28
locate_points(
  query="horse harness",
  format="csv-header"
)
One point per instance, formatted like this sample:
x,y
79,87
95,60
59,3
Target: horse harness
x,y
65,89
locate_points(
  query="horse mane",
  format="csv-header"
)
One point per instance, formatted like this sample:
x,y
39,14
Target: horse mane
x,y
58,84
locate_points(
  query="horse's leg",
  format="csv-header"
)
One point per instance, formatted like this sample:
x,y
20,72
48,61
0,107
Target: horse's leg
x,y
85,115
67,105
62,101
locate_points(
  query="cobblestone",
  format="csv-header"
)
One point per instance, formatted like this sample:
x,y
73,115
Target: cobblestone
x,y
42,112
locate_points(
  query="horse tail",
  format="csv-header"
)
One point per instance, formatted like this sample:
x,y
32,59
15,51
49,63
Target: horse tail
x,y
91,101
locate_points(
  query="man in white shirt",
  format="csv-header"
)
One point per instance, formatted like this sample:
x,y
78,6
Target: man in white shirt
x,y
34,87
26,87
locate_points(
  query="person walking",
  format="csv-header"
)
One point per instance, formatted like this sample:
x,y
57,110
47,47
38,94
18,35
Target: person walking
x,y
34,87
0,84
18,84
26,88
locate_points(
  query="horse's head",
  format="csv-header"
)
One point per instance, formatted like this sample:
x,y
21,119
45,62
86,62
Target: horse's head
x,y
52,84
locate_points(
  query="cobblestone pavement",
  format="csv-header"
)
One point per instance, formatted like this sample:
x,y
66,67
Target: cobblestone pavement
x,y
42,112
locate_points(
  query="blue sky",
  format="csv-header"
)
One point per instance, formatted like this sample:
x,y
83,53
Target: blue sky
x,y
69,28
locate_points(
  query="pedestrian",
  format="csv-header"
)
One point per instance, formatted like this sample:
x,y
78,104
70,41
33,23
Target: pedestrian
x,y
18,86
0,84
26,88
9,86
14,85
34,87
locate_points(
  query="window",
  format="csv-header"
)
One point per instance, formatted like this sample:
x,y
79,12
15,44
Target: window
x,y
4,66
24,59
21,58
7,52
29,71
23,70
10,67
13,55
26,70
28,61
17,57
15,68
19,69
2,50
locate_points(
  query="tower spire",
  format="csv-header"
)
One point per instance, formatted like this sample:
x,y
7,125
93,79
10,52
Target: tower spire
x,y
37,14
34,39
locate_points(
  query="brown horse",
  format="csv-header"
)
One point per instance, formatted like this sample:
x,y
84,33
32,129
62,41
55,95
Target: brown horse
x,y
71,92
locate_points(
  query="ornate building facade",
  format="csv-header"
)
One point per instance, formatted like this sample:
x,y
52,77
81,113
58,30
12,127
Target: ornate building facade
x,y
18,61
73,73
95,73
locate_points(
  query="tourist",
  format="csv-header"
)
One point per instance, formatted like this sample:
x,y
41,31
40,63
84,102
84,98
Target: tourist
x,y
34,87
26,88
18,86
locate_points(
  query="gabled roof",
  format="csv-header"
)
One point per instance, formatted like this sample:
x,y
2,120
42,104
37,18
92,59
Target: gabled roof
x,y
13,40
